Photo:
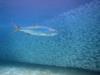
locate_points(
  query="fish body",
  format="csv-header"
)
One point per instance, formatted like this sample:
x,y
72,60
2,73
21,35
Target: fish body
x,y
37,30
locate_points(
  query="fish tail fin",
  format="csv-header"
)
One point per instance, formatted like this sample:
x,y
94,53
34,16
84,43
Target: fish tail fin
x,y
17,28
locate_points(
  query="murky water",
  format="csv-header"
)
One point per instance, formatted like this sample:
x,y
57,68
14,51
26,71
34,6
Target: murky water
x,y
77,44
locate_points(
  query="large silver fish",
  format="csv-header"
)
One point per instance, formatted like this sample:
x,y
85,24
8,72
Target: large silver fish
x,y
37,30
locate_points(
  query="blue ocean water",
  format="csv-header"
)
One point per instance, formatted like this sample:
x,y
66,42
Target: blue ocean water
x,y
76,45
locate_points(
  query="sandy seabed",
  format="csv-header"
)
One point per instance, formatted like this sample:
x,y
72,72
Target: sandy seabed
x,y
40,70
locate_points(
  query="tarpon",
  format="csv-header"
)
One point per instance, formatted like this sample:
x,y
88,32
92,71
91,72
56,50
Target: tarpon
x,y
37,30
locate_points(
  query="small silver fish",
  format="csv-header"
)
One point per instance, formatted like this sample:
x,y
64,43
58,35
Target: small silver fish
x,y
37,30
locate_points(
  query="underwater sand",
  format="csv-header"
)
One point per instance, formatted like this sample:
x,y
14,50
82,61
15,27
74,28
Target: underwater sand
x,y
23,69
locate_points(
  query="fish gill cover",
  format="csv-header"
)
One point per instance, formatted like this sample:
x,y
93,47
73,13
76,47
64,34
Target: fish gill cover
x,y
77,45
